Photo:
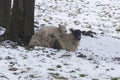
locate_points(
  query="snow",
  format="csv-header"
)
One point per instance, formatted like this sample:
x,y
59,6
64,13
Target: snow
x,y
97,58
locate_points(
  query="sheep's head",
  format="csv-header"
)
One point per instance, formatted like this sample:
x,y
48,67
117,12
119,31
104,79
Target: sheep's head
x,y
62,29
76,33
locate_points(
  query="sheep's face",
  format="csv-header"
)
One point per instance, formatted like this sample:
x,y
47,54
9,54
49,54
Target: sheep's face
x,y
77,34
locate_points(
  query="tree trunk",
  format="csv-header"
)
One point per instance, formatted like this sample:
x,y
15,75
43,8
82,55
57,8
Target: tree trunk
x,y
1,12
22,22
5,9
28,20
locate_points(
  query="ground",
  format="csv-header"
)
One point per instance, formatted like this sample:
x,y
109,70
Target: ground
x,y
97,58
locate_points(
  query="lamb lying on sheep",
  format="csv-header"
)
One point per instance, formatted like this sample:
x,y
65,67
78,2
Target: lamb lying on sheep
x,y
46,36
68,41
55,31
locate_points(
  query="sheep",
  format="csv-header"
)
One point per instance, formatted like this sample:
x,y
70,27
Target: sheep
x,y
56,37
46,36
54,31
69,41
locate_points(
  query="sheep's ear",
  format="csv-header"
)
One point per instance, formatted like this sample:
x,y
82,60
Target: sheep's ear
x,y
71,30
60,25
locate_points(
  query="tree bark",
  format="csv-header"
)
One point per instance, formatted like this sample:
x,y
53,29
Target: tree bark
x,y
28,20
1,12
5,10
22,22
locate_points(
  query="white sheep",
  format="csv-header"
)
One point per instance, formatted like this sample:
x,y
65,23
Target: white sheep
x,y
46,36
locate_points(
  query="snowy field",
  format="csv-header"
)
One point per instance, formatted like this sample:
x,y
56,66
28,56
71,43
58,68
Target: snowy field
x,y
97,58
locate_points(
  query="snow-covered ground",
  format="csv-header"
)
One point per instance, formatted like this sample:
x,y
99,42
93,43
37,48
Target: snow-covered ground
x,y
97,58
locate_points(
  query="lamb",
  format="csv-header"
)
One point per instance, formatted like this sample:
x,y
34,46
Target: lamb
x,y
68,41
54,31
56,37
46,36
